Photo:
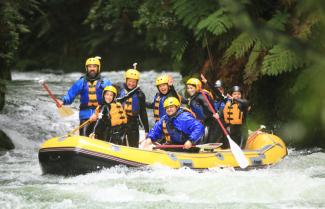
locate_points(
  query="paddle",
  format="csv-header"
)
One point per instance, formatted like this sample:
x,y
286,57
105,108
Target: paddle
x,y
235,149
202,146
79,127
63,110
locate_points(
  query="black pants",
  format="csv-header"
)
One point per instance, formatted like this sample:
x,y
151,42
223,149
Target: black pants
x,y
238,133
87,129
117,135
214,133
132,131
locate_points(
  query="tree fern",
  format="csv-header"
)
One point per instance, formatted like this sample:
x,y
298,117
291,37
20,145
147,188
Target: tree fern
x,y
190,12
217,23
252,67
280,60
240,46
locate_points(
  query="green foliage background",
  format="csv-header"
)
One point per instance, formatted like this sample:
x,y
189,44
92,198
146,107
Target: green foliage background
x,y
274,49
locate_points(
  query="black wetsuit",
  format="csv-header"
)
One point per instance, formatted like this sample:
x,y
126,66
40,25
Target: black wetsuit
x,y
132,126
239,133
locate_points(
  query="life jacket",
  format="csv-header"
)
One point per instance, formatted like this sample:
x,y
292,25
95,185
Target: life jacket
x,y
131,105
208,93
117,114
158,107
185,109
169,129
232,114
92,94
165,131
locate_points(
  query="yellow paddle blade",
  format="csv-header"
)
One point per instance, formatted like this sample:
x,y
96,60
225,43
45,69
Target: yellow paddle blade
x,y
65,111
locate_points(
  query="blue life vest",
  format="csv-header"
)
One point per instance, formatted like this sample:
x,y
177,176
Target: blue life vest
x,y
131,105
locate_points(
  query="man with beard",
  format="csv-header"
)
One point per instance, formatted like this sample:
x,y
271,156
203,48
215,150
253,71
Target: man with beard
x,y
90,88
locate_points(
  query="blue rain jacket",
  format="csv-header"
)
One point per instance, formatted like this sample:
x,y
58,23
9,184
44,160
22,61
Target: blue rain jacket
x,y
181,128
81,87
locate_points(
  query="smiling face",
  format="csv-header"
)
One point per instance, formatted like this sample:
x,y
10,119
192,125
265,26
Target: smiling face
x,y
92,70
191,90
109,96
163,88
171,110
131,83
236,95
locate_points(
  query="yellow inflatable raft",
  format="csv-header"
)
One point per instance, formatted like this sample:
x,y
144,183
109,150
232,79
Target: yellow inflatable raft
x,y
73,155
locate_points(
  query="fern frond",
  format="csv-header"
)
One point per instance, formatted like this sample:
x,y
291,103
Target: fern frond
x,y
251,70
217,23
280,60
278,21
240,46
190,12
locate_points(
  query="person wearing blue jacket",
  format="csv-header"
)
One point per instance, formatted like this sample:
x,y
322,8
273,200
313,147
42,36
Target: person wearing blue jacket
x,y
178,126
90,88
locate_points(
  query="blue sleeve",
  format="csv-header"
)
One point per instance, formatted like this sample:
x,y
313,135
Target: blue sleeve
x,y
193,128
107,83
74,90
156,132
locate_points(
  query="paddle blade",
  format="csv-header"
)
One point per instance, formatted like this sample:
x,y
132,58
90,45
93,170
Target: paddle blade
x,y
65,111
238,153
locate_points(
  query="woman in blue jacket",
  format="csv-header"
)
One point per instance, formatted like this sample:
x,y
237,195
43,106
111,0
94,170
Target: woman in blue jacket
x,y
178,126
90,88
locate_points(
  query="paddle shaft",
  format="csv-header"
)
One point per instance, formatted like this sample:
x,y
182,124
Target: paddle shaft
x,y
164,146
214,112
79,127
45,86
235,149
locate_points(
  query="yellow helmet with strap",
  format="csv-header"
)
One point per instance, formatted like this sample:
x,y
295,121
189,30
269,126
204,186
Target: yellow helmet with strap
x,y
93,61
111,89
195,82
133,73
163,79
171,101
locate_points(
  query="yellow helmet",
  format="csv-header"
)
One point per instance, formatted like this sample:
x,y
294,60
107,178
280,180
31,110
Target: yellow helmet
x,y
171,101
111,89
195,82
162,80
132,73
93,61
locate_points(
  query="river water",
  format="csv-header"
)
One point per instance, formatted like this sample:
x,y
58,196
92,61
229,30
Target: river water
x,y
30,117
